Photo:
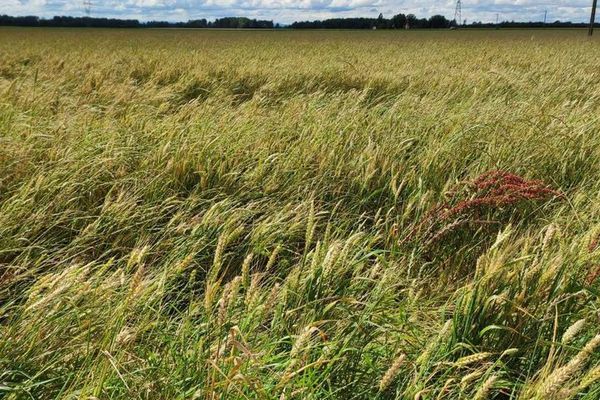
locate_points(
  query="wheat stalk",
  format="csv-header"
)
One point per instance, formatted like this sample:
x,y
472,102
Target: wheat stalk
x,y
572,331
557,379
391,373
484,391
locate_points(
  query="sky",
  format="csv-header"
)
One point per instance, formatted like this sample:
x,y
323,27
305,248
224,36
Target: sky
x,y
286,11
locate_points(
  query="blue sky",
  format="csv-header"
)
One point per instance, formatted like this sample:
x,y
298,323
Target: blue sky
x,y
286,11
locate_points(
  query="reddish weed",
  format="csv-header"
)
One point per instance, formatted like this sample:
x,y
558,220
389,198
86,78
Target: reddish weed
x,y
474,204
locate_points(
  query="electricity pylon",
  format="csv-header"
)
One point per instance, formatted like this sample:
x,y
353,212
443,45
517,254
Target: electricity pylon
x,y
458,13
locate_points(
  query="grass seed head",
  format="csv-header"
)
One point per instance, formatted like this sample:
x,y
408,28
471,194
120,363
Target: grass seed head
x,y
391,373
573,331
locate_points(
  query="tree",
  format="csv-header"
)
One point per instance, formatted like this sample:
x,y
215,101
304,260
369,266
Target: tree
x,y
381,23
411,21
438,22
398,21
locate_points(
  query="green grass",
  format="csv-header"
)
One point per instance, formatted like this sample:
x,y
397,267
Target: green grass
x,y
220,214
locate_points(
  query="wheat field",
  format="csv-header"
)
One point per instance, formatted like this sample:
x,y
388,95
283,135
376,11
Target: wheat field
x,y
192,214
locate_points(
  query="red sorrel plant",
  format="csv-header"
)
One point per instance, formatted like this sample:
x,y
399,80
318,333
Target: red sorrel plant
x,y
477,203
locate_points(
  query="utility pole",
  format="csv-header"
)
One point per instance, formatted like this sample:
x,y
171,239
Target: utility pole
x,y
545,16
593,18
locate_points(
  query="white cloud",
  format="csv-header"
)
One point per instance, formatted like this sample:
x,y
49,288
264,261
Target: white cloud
x,y
290,10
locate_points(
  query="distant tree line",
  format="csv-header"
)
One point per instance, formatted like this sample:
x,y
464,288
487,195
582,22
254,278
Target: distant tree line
x,y
63,21
228,22
410,21
399,21
530,24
